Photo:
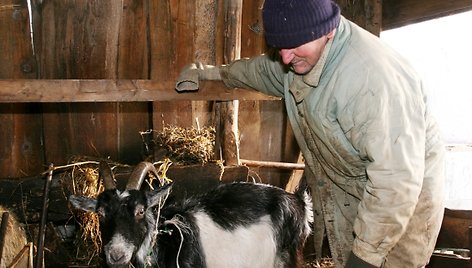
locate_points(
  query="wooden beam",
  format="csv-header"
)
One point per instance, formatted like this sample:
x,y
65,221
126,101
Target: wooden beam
x,y
72,90
398,13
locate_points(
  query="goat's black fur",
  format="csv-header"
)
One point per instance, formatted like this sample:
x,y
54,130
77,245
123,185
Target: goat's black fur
x,y
133,213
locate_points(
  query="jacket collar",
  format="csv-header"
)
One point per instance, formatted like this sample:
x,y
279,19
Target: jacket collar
x,y
312,78
303,84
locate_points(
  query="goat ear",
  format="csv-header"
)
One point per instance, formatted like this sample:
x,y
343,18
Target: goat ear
x,y
158,195
83,203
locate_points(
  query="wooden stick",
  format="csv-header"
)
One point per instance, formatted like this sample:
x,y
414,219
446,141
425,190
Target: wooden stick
x,y
44,216
281,165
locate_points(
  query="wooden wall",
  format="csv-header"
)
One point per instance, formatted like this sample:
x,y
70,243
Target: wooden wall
x,y
131,39
122,40
21,148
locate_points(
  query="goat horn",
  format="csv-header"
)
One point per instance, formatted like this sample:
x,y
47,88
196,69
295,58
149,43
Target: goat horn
x,y
139,173
107,176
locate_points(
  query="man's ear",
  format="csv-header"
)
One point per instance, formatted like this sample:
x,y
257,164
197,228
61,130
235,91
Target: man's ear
x,y
331,34
158,195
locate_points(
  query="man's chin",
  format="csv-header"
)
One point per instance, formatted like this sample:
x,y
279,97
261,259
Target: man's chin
x,y
301,69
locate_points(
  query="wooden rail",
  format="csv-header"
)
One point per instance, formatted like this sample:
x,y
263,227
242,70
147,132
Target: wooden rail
x,y
80,90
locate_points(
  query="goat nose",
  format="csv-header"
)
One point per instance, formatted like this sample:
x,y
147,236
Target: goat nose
x,y
117,256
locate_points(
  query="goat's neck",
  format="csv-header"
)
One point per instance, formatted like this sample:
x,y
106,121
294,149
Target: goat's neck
x,y
145,255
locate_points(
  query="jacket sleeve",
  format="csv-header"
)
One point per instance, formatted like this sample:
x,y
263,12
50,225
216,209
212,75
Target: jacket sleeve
x,y
264,73
391,127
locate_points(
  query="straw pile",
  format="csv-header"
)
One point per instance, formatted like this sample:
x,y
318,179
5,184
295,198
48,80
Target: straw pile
x,y
84,181
323,263
185,146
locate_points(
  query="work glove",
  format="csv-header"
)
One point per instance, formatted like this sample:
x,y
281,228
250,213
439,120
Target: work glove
x,y
192,73
355,262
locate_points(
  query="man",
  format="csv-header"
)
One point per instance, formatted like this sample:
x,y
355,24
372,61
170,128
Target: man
x,y
374,157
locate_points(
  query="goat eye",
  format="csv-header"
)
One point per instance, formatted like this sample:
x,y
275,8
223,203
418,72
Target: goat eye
x,y
139,212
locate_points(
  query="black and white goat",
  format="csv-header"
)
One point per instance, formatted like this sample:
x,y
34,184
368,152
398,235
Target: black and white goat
x,y
237,225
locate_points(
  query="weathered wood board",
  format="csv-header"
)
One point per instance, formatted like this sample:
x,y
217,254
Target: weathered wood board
x,y
25,195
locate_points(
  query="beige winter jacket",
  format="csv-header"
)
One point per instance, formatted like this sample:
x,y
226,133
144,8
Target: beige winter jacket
x,y
373,150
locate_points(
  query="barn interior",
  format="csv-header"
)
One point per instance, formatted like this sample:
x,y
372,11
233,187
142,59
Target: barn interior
x,y
85,81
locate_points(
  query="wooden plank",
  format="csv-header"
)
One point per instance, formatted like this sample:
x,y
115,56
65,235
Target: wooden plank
x,y
275,146
79,40
398,13
21,143
88,129
184,33
252,37
252,44
367,14
16,57
24,195
373,16
206,12
110,90
174,21
133,63
21,132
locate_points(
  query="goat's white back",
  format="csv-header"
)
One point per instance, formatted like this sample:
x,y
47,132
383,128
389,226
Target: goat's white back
x,y
250,246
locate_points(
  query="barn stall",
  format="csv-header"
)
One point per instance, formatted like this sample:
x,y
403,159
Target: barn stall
x,y
84,81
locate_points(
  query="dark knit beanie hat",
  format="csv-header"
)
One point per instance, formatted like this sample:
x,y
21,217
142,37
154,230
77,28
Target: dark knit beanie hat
x,y
291,23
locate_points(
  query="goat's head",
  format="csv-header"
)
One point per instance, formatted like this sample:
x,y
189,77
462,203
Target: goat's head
x,y
127,222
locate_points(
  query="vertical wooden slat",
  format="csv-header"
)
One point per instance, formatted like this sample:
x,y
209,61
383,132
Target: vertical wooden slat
x,y
20,131
172,25
79,39
252,33
373,15
133,63
353,10
206,12
265,131
182,32
250,112
367,14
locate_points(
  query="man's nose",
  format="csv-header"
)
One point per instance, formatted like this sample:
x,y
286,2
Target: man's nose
x,y
287,55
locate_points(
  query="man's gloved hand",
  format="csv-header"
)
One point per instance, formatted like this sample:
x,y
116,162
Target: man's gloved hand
x,y
192,73
356,262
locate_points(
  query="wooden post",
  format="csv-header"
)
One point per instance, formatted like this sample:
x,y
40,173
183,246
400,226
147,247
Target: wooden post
x,y
229,110
373,16
367,14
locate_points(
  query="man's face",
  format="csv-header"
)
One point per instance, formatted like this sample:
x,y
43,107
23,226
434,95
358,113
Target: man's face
x,y
303,58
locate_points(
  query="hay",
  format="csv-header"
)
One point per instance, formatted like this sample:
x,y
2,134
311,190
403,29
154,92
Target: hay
x,y
84,181
185,146
322,263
